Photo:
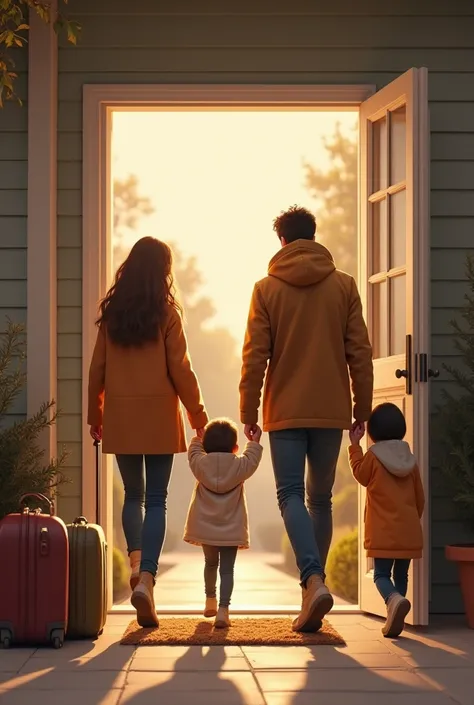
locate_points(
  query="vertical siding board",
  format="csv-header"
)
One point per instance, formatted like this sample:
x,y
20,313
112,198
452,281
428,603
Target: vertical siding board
x,y
13,189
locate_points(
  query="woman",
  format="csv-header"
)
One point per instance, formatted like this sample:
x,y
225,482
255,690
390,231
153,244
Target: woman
x,y
140,370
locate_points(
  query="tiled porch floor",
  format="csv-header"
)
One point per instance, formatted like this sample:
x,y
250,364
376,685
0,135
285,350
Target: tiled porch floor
x,y
426,667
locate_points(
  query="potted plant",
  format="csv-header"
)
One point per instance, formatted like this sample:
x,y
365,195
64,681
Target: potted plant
x,y
22,466
456,433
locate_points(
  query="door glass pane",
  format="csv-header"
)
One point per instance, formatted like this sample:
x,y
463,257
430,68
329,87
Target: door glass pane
x,y
379,147
397,315
379,320
398,229
398,145
379,237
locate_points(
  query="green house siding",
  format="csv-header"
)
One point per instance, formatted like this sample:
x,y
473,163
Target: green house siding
x,y
13,204
266,42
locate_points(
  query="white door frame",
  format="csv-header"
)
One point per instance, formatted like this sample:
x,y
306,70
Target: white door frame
x,y
410,89
99,103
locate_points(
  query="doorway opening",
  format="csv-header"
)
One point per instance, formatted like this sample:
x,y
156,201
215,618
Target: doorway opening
x,y
209,183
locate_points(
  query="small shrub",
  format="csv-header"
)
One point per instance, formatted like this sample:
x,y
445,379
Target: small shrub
x,y
23,465
342,569
120,573
269,536
345,510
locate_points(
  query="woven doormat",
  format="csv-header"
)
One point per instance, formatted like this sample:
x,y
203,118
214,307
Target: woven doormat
x,y
245,631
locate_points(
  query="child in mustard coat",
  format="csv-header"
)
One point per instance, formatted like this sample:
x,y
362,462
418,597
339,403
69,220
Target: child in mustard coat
x,y
217,516
394,506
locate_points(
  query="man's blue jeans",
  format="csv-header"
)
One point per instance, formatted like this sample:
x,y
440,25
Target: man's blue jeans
x,y
144,508
309,526
391,575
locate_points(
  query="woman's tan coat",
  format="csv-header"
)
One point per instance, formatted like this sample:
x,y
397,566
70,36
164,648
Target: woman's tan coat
x,y
217,514
135,393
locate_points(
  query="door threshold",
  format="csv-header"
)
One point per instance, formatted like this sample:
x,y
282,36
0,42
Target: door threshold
x,y
242,610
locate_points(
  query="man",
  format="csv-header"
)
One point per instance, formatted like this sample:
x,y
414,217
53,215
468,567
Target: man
x,y
306,323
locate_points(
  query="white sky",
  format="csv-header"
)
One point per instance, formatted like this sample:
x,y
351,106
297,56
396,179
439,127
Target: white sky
x,y
217,180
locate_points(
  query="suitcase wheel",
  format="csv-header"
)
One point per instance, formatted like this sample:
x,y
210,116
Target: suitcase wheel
x,y
57,638
5,638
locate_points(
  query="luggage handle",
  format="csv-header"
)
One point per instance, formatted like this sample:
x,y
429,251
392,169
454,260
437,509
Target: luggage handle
x,y
41,497
98,483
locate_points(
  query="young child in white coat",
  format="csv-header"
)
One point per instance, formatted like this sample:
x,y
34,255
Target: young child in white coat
x,y
217,516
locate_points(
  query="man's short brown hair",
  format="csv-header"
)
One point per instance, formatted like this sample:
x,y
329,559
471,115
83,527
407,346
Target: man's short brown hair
x,y
220,436
295,224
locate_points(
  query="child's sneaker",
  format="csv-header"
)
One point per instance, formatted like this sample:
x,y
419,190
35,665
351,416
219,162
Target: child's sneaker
x,y
222,619
210,610
397,609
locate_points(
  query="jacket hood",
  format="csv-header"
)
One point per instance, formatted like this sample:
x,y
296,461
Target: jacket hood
x,y
302,263
220,472
395,456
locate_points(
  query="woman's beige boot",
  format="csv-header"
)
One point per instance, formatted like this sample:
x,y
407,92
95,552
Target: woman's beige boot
x,y
222,620
144,602
210,610
135,558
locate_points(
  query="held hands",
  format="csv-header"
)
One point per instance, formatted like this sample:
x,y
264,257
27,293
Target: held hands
x,y
253,432
96,433
200,433
357,432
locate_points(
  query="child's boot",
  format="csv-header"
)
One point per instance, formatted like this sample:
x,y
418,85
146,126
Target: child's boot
x,y
397,609
210,610
222,619
143,601
135,558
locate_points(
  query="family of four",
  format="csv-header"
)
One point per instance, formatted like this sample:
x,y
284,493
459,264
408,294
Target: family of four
x,y
307,340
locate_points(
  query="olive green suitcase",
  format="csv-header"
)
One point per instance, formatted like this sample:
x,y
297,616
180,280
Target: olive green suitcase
x,y
87,574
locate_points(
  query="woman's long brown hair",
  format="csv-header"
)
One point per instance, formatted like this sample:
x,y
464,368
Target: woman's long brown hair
x,y
135,305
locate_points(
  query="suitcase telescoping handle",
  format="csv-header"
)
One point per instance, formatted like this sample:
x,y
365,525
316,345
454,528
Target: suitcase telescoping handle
x,y
41,497
98,480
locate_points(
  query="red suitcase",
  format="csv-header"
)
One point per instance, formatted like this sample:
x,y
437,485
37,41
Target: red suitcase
x,y
34,557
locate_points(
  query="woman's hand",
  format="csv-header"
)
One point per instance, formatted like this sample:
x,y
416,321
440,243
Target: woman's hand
x,y
200,433
96,433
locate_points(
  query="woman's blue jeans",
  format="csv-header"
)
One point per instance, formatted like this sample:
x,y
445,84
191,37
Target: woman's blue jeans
x,y
144,508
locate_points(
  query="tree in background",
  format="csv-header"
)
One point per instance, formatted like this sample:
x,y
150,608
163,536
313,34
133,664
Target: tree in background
x,y
13,30
335,192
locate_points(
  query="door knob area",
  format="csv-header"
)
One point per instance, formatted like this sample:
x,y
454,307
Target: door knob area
x,y
433,373
401,373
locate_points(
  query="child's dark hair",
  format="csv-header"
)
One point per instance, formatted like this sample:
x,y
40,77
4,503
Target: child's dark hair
x,y
220,436
386,423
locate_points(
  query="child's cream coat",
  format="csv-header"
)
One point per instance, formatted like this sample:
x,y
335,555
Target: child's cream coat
x,y
217,514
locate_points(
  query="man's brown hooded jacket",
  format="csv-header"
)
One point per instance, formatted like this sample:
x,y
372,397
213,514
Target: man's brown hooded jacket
x,y
306,323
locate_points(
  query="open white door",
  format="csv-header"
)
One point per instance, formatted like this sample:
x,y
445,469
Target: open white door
x,y
394,283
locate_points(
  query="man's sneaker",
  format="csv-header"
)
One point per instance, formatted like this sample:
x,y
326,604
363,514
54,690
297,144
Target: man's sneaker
x,y
317,601
397,609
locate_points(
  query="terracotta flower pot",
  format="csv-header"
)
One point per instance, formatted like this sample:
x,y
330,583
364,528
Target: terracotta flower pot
x,y
463,555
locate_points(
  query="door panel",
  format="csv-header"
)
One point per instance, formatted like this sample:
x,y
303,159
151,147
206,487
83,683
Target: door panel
x,y
394,271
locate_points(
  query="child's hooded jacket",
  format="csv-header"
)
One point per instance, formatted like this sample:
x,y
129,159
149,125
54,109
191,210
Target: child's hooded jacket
x,y
395,499
217,514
